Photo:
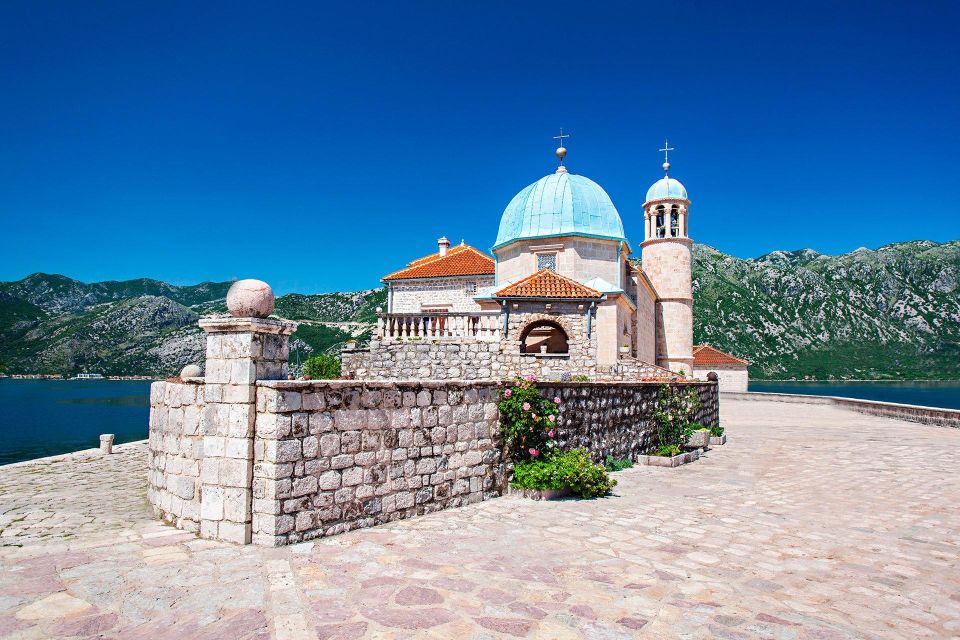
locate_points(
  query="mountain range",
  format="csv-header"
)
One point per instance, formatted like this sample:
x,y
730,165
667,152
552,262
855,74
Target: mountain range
x,y
889,313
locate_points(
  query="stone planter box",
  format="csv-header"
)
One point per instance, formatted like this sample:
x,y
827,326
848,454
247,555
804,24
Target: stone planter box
x,y
718,440
540,494
675,461
699,439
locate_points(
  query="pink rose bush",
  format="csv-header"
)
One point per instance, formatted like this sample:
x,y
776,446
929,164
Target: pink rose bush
x,y
527,419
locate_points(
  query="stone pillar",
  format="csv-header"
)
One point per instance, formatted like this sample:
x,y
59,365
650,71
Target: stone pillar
x,y
240,351
681,222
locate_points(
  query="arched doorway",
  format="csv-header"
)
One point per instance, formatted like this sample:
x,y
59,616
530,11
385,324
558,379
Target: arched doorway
x,y
544,336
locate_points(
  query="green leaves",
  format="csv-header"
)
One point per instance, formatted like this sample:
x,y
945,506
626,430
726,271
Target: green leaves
x,y
673,414
322,367
564,470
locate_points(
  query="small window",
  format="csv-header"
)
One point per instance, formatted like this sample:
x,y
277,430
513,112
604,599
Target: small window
x,y
547,261
471,288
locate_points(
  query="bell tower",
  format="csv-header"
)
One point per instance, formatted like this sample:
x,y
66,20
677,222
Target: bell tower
x,y
668,263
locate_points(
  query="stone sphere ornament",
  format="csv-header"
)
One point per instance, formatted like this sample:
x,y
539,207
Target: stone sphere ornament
x,y
250,299
191,371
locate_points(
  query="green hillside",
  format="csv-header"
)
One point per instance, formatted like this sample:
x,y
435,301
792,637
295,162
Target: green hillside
x,y
890,313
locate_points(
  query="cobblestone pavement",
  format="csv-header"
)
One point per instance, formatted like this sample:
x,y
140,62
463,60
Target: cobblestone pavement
x,y
812,522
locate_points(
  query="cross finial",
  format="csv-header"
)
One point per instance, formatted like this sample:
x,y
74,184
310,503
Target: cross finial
x,y
666,155
561,150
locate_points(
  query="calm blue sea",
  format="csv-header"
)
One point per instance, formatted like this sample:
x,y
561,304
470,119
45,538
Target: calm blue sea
x,y
47,417
928,394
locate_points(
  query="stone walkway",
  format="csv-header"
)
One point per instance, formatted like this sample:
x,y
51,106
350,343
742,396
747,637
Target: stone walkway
x,y
811,523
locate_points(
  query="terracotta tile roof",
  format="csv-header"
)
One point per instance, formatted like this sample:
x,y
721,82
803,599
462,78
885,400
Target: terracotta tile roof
x,y
462,260
705,355
547,284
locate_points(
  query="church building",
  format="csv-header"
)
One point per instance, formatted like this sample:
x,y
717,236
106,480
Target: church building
x,y
561,295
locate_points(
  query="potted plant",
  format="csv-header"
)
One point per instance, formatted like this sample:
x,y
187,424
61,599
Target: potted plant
x,y
674,426
699,438
717,435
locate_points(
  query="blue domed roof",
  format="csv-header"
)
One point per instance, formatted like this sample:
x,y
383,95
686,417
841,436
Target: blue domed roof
x,y
557,205
666,188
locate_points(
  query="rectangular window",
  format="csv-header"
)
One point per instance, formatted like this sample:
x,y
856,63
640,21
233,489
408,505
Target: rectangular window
x,y
471,288
547,261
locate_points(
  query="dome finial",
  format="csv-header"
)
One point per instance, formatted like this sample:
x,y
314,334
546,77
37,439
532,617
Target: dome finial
x,y
666,156
561,150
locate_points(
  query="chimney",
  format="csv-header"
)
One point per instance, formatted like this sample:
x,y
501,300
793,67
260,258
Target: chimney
x,y
444,245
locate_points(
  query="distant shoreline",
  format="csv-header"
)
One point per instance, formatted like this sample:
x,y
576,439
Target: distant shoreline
x,y
46,376
835,381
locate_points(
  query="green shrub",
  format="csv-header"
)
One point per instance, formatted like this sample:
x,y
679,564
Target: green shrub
x,y
322,367
564,470
617,464
580,378
667,450
528,421
672,415
716,430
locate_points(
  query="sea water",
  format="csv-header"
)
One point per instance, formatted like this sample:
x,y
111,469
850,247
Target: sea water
x,y
944,394
48,417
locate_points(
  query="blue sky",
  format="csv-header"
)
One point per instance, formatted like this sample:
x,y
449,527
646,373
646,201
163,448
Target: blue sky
x,y
319,147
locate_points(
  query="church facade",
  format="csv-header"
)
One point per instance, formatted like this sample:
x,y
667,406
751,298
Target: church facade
x,y
562,294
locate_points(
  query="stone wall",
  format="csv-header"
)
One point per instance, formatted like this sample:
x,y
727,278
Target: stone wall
x,y
615,418
480,361
413,296
175,452
336,456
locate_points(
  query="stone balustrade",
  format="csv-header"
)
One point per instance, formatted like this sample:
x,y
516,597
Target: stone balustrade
x,y
453,327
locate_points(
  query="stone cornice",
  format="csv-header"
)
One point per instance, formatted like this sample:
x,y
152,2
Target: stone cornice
x,y
248,325
663,200
684,240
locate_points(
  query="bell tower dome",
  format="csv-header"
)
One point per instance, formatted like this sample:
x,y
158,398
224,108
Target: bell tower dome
x,y
668,263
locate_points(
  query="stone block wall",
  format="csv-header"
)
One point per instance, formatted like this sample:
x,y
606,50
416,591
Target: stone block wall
x,y
175,452
452,294
610,418
336,456
480,361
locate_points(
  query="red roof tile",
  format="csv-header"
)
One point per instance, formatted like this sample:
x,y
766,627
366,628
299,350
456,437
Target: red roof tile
x,y
463,260
547,284
705,355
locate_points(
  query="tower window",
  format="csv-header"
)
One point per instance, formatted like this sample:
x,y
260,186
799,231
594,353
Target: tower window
x,y
547,261
661,222
471,287
674,222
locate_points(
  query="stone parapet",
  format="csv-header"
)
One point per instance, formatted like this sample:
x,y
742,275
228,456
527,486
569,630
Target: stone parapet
x,y
336,456
175,452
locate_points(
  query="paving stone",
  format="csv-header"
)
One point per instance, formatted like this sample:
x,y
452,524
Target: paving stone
x,y
809,524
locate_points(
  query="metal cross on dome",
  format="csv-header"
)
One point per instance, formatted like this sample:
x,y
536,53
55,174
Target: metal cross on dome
x,y
666,157
561,150
666,150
